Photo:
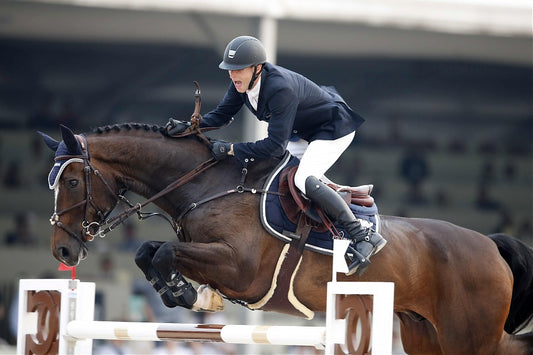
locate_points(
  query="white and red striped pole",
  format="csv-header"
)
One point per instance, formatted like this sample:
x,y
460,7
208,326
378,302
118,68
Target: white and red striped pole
x,y
236,334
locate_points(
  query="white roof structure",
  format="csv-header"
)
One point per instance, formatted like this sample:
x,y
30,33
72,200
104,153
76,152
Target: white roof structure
x,y
486,30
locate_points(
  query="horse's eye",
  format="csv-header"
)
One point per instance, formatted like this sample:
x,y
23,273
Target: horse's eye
x,y
73,183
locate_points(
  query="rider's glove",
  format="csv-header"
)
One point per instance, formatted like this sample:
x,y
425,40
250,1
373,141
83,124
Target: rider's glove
x,y
220,149
176,127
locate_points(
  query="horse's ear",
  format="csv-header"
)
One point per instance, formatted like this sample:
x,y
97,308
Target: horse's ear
x,y
73,146
49,141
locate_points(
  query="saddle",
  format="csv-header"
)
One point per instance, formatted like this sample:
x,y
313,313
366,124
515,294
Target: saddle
x,y
308,223
293,201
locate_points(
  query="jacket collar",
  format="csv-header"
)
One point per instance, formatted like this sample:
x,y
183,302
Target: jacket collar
x,y
261,99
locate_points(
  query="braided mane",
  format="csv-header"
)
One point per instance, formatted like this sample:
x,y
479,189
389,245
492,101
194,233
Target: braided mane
x,y
128,127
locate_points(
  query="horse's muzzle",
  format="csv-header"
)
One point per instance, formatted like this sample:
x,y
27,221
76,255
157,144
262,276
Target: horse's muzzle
x,y
70,255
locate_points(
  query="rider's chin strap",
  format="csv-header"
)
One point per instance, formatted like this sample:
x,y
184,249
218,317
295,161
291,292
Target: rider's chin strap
x,y
255,76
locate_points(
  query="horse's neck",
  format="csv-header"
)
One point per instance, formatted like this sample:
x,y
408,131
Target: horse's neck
x,y
145,165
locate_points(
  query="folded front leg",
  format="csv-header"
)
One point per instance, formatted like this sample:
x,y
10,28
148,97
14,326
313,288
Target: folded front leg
x,y
143,259
216,264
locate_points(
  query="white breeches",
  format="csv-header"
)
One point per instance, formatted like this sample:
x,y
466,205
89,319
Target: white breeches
x,y
317,157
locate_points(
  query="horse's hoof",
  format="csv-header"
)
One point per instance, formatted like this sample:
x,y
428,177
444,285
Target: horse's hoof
x,y
208,300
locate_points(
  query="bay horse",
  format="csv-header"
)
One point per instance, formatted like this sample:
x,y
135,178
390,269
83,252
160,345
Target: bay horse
x,y
456,291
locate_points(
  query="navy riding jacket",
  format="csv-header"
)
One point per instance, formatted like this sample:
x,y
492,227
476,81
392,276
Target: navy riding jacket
x,y
293,106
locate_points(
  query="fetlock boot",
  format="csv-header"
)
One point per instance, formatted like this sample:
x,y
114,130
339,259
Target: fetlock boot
x,y
181,290
162,290
365,241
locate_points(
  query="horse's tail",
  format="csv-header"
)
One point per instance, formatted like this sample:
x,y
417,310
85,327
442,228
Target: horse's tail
x,y
520,258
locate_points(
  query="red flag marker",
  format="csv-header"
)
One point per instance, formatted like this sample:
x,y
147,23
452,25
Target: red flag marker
x,y
63,267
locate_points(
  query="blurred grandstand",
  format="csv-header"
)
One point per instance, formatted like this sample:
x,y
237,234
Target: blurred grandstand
x,y
451,81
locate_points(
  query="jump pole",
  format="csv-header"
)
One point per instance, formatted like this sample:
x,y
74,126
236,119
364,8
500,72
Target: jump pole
x,y
56,316
235,334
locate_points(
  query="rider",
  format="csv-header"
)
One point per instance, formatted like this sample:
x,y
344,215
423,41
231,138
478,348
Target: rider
x,y
313,123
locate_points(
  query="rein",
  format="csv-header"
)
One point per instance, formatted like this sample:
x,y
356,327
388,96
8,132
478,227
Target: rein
x,y
118,219
238,189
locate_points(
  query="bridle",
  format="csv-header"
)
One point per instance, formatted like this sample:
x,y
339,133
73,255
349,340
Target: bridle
x,y
90,229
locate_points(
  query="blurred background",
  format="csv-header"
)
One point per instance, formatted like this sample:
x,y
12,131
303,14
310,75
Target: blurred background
x,y
446,88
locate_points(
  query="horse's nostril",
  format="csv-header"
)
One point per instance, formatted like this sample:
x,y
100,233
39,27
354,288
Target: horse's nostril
x,y
63,253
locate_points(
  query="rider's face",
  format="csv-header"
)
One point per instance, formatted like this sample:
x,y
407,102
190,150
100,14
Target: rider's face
x,y
241,78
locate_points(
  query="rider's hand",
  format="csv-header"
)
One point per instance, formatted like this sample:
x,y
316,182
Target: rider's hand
x,y
221,149
176,127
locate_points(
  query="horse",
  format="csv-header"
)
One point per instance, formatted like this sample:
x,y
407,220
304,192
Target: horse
x,y
456,291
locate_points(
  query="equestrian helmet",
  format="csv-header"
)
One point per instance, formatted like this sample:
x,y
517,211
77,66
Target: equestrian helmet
x,y
243,52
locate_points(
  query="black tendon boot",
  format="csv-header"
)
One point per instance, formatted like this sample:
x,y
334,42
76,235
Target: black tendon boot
x,y
365,241
143,259
182,290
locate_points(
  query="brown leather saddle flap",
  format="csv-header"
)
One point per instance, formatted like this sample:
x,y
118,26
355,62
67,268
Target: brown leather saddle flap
x,y
293,201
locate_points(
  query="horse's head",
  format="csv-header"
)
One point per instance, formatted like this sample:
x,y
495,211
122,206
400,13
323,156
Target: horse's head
x,y
75,181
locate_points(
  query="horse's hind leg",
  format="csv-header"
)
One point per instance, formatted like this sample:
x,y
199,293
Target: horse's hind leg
x,y
418,336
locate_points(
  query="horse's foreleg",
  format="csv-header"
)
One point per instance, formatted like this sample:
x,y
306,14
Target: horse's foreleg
x,y
181,290
143,259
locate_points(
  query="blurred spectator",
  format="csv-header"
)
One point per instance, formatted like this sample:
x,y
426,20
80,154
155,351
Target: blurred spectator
x,y
457,146
130,240
113,347
488,147
51,112
414,170
486,178
506,224
484,201
518,147
525,231
39,164
107,268
67,116
13,176
43,117
442,198
36,148
3,321
176,348
509,171
1,159
155,310
395,133
22,233
486,175
302,350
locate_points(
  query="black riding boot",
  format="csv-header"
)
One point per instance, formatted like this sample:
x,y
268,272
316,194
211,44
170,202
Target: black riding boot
x,y
365,241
